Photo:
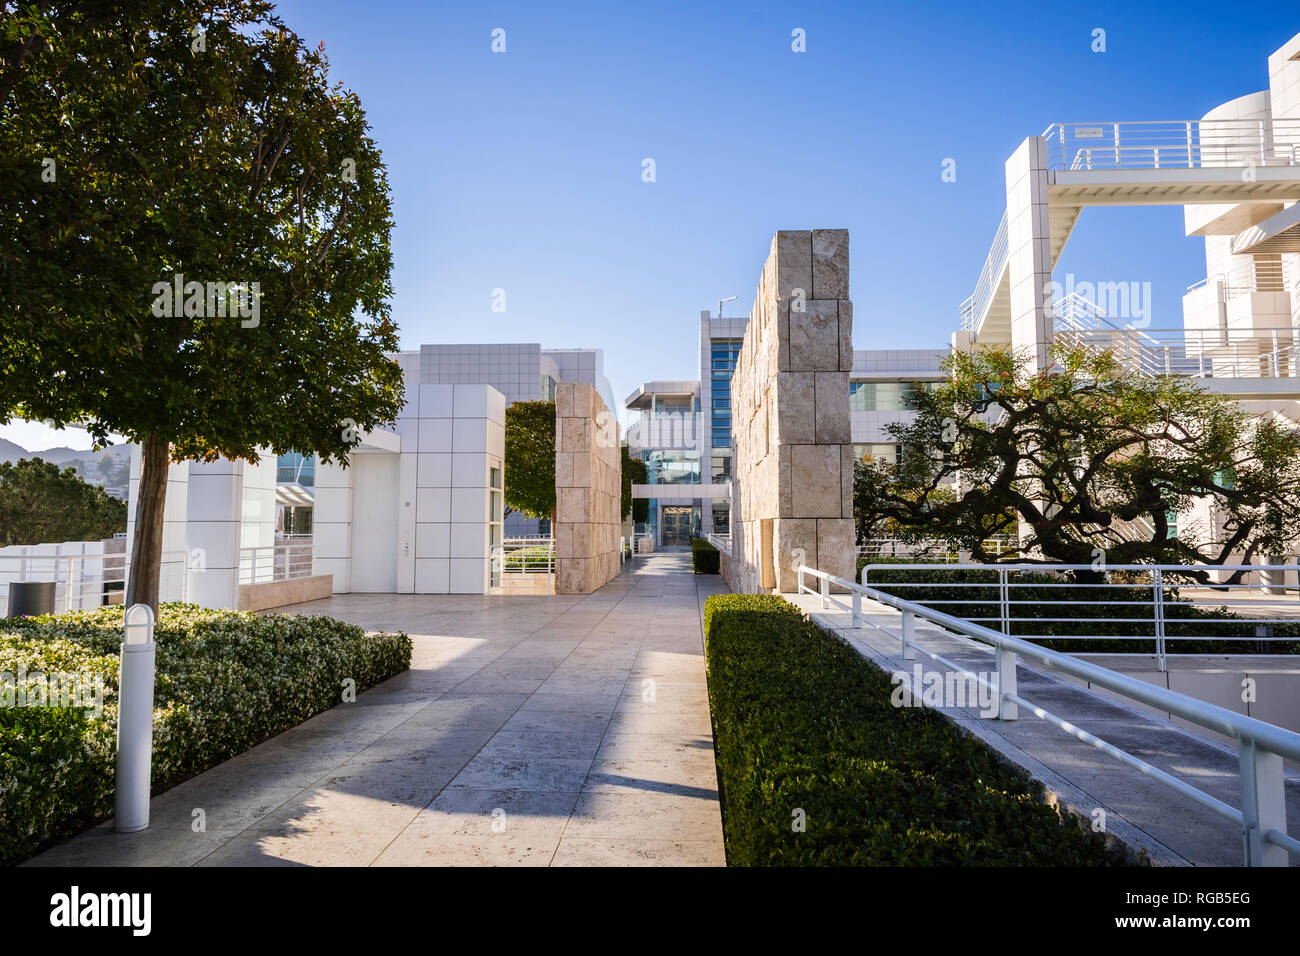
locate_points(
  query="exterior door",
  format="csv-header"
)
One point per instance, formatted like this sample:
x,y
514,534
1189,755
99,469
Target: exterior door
x,y
677,526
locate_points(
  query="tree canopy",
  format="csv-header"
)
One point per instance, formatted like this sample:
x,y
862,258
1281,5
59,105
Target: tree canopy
x,y
530,458
40,504
195,247
1084,459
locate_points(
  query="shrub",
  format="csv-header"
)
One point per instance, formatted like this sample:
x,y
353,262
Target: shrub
x,y
534,558
803,722
704,556
940,587
226,680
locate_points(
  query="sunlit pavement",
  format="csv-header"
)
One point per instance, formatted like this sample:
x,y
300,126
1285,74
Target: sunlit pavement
x,y
530,730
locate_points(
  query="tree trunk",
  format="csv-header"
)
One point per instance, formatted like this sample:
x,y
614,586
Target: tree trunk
x,y
146,546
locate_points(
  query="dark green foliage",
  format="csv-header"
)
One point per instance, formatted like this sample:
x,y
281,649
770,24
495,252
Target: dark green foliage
x,y
941,587
1079,458
802,722
634,472
226,680
39,503
204,143
530,458
704,556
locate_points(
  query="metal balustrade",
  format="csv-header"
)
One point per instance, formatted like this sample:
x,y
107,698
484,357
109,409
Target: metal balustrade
x,y
1261,746
1267,601
1217,352
523,565
285,561
941,551
84,582
977,302
1164,144
721,541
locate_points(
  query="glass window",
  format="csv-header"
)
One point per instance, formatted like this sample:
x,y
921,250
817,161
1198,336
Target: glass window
x,y
881,396
893,454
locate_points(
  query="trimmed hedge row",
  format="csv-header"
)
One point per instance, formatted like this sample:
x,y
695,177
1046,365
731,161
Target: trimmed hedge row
x,y
704,556
226,680
1182,620
803,723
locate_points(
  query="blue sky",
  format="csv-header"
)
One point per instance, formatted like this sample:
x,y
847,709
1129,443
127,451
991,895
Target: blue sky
x,y
522,170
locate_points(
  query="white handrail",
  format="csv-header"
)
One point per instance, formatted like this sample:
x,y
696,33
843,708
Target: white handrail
x,y
1261,745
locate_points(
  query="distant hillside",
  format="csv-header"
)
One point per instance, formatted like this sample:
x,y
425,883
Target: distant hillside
x,y
86,463
11,452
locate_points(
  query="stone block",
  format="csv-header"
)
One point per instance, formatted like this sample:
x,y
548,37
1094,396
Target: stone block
x,y
564,400
832,390
844,309
836,547
792,250
815,337
794,542
830,263
815,481
796,408
564,469
573,435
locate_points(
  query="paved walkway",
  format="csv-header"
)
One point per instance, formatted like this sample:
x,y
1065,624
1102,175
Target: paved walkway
x,y
562,730
1175,830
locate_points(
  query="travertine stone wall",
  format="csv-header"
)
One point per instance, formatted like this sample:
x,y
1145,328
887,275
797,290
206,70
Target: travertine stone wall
x,y
587,490
792,451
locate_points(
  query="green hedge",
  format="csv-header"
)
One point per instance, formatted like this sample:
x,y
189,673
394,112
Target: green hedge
x,y
534,558
704,556
226,680
1184,622
803,722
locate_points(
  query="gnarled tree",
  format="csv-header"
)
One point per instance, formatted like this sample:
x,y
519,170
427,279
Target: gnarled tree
x,y
1086,460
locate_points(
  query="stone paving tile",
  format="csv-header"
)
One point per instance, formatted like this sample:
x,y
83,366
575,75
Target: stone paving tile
x,y
523,736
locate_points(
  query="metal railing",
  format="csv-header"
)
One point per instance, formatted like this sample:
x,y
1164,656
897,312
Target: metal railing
x,y
523,565
87,581
1220,352
1172,600
276,562
1261,746
1162,144
977,302
941,551
1197,353
720,541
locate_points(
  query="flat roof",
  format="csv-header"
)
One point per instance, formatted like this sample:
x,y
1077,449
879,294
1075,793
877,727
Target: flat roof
x,y
641,397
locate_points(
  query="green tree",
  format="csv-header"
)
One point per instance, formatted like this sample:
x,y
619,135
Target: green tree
x,y
195,247
530,458
1087,459
634,472
40,504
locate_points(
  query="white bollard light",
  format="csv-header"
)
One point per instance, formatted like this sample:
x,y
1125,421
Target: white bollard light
x,y
135,721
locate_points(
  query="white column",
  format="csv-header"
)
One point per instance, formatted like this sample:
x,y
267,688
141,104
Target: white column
x,y
214,528
1029,250
332,524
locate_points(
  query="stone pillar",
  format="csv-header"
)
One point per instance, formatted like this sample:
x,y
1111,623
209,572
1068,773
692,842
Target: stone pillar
x,y
1029,250
587,490
792,448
